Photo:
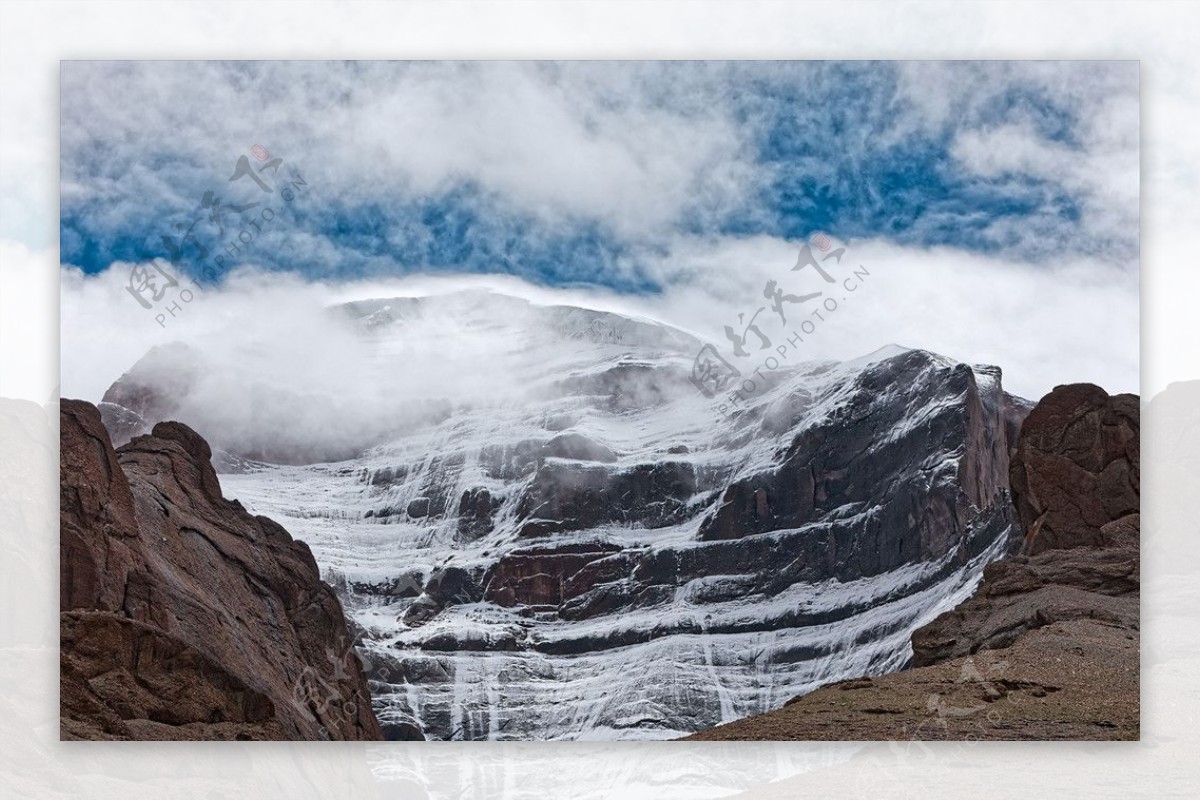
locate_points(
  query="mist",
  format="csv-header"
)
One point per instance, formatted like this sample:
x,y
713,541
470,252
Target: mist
x,y
291,368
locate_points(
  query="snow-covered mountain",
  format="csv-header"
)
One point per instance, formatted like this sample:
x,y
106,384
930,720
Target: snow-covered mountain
x,y
545,531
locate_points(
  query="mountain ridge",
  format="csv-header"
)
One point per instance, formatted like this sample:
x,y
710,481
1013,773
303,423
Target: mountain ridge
x,y
579,508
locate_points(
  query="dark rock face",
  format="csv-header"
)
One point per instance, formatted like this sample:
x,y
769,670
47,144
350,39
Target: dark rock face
x,y
183,616
571,496
1075,482
571,551
453,585
664,566
418,507
854,461
122,424
1076,467
1047,647
475,513
549,576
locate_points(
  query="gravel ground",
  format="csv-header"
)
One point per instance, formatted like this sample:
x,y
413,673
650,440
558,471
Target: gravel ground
x,y
1074,680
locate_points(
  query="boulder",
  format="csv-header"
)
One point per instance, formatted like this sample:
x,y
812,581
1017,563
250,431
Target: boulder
x,y
1076,467
475,510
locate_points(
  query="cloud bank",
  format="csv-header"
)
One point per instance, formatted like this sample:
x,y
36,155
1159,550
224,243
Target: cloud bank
x,y
1072,322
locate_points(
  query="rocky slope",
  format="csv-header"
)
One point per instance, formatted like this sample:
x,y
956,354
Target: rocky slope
x,y
182,615
554,535
1047,647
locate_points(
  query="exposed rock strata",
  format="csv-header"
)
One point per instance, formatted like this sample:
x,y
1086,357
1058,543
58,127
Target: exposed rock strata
x,y
1076,484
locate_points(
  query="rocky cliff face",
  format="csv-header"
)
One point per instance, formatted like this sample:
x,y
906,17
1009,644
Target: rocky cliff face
x,y
1076,487
184,616
1047,646
585,548
1076,468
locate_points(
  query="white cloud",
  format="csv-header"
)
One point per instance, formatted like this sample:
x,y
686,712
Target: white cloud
x,y
557,142
1102,175
1096,163
1043,326
1014,147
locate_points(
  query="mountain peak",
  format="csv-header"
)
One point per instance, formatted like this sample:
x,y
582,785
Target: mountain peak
x,y
517,317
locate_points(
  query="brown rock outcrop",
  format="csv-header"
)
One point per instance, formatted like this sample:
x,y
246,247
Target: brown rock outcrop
x,y
1076,483
184,616
545,576
1023,593
1076,467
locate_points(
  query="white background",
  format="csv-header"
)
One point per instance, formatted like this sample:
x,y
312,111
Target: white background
x,y
35,36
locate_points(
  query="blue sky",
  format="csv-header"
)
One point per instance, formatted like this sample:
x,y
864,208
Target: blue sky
x,y
589,174
997,203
